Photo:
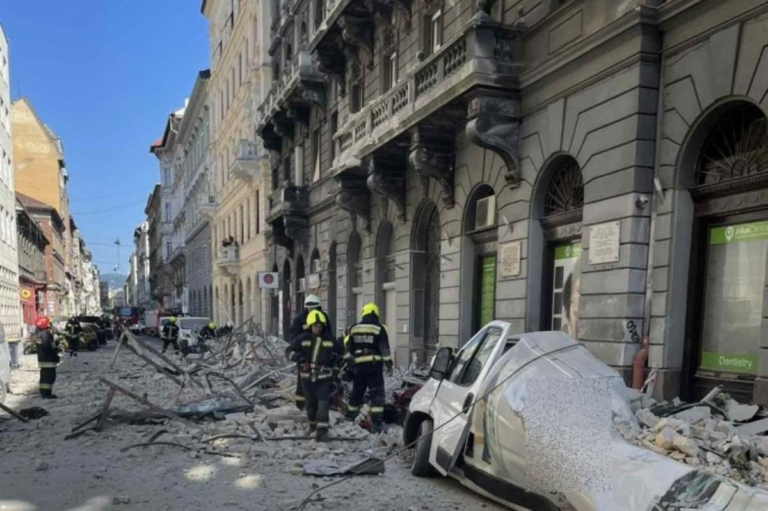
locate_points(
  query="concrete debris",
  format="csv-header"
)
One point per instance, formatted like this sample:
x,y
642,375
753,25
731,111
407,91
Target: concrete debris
x,y
703,435
42,466
324,468
116,501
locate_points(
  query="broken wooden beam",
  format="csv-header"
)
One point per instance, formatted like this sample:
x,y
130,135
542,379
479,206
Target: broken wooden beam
x,y
12,413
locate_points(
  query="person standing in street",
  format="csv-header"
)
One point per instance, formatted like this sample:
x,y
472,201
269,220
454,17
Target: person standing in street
x,y
298,327
47,357
317,353
366,353
171,335
73,331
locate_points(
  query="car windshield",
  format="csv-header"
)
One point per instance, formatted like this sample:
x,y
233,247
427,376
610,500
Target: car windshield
x,y
193,323
125,311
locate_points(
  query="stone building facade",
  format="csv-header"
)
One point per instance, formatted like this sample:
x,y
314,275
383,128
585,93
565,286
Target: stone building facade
x,y
237,47
198,202
10,308
32,276
586,165
155,234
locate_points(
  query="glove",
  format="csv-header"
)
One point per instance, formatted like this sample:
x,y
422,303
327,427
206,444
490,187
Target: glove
x,y
389,365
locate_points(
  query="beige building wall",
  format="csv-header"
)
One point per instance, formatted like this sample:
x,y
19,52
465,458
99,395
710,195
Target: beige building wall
x,y
236,158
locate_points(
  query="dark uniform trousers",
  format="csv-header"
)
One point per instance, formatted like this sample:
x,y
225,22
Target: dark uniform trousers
x,y
367,376
318,402
47,377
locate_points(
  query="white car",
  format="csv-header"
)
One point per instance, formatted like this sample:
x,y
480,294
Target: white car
x,y
482,442
188,328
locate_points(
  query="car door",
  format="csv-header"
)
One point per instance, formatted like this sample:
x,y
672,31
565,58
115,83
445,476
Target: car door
x,y
451,407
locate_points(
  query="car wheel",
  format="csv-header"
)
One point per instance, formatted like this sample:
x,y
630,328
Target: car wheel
x,y
420,466
93,345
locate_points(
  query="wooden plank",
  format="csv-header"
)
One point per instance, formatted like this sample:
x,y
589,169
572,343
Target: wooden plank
x,y
149,404
105,410
154,364
117,349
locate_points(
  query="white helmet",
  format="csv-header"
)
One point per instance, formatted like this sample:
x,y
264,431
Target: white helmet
x,y
312,302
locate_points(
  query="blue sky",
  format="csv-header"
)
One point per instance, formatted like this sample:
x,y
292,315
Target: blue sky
x,y
104,74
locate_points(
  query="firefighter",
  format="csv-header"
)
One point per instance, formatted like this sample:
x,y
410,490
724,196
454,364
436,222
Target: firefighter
x,y
171,335
366,353
317,353
208,331
298,327
47,357
73,331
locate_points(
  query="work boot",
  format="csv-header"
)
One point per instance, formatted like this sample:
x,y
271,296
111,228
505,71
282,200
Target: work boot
x,y
322,434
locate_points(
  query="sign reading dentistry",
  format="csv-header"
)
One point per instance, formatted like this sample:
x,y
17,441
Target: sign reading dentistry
x,y
736,233
728,363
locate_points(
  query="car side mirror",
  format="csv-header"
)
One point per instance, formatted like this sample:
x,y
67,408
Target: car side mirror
x,y
441,364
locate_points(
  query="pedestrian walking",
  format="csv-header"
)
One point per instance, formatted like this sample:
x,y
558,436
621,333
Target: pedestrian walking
x,y
366,354
47,357
73,331
171,335
317,353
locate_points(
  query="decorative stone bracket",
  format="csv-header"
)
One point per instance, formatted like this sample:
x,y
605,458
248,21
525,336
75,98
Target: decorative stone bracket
x,y
272,141
354,197
494,124
387,180
357,31
330,61
434,159
404,8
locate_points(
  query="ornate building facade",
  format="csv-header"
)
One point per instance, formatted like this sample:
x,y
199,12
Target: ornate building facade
x,y
586,165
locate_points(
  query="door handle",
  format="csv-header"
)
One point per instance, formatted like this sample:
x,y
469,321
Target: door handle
x,y
467,402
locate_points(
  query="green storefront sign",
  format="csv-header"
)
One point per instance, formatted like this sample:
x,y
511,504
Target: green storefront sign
x,y
570,251
728,363
740,232
487,290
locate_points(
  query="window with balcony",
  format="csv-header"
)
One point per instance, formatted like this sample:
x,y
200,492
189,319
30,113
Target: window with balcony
x,y
390,71
167,211
357,87
319,13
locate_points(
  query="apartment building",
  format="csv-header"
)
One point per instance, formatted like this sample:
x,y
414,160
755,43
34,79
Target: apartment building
x,y
238,162
31,244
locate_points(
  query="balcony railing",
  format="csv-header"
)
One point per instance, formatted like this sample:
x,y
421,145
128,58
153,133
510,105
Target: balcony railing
x,y
229,259
484,54
207,207
285,84
246,163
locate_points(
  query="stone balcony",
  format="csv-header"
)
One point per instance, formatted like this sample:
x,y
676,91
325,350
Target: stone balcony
x,y
177,257
483,56
245,166
228,260
293,91
206,207
289,214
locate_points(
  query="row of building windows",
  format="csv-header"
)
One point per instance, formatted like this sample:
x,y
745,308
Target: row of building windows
x,y
6,173
241,225
7,228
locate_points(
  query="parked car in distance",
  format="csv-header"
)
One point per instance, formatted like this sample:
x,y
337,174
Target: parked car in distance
x,y
467,422
103,330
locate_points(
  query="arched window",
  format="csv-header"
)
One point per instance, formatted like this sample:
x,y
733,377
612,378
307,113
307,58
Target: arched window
x,y
425,276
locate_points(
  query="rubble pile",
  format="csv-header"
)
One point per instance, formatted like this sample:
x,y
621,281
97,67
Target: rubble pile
x,y
712,435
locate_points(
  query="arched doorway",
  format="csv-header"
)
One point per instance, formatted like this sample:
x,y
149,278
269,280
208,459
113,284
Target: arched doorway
x,y
479,256
555,247
354,278
425,276
332,286
725,169
285,314
386,294
301,284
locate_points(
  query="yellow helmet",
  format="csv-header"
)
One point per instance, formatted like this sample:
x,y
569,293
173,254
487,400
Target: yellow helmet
x,y
212,325
315,317
370,308
172,319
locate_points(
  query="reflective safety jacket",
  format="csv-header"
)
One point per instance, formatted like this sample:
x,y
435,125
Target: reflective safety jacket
x,y
47,354
367,341
171,331
73,329
316,355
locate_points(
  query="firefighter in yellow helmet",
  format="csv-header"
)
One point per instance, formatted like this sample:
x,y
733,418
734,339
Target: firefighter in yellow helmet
x,y
366,353
171,335
317,353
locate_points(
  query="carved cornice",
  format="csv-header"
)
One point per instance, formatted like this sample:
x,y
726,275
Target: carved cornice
x,y
494,124
729,187
434,159
388,181
354,197
403,7
283,125
736,203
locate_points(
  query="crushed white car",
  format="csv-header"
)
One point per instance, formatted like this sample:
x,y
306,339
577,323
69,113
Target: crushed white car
x,y
478,420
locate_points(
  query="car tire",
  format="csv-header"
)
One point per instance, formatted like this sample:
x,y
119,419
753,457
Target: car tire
x,y
420,466
93,345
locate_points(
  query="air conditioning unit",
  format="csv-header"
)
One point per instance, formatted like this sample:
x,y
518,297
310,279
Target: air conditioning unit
x,y
302,285
485,212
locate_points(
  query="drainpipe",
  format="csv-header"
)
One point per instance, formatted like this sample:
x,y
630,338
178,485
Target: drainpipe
x,y
641,357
